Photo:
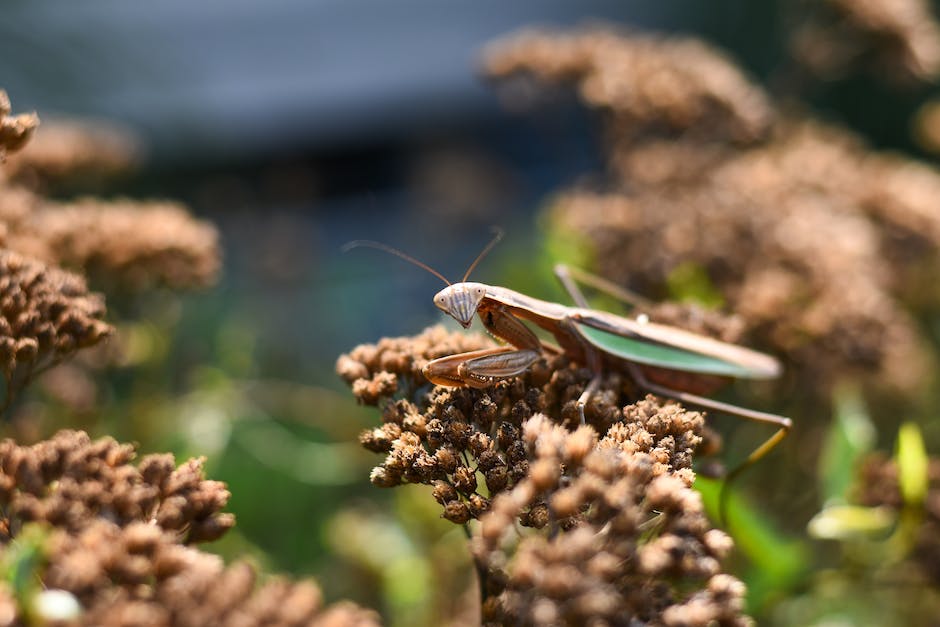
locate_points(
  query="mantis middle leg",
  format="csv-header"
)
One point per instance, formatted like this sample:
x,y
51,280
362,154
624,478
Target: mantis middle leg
x,y
568,276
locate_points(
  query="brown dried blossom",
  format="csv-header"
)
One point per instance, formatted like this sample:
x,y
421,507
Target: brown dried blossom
x,y
140,575
643,83
118,535
46,314
133,243
640,543
69,481
16,130
125,243
130,244
73,149
898,39
622,536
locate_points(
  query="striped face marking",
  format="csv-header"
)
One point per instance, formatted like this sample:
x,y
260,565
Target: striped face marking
x,y
460,301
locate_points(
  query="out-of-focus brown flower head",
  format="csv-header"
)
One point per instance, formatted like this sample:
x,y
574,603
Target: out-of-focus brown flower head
x,y
72,150
898,40
124,244
117,536
135,244
643,83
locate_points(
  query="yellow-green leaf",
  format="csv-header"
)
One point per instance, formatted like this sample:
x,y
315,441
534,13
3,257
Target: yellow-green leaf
x,y
845,522
911,457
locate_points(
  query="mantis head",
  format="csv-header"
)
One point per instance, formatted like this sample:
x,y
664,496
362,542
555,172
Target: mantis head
x,y
460,301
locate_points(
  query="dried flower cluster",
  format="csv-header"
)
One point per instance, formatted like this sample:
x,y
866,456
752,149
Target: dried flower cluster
x,y
137,243
70,481
899,40
118,536
644,83
805,234
130,244
127,243
878,485
46,314
14,130
635,536
617,535
73,149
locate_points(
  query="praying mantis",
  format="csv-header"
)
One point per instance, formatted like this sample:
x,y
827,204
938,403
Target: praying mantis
x,y
661,359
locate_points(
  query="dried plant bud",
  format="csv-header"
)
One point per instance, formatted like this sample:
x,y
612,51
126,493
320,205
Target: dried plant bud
x,y
497,479
14,131
456,512
384,477
477,505
465,480
370,391
444,492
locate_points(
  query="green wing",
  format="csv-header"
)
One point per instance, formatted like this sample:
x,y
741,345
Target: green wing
x,y
654,354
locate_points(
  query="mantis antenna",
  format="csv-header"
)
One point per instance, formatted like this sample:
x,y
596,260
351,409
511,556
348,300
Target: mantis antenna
x,y
366,243
497,235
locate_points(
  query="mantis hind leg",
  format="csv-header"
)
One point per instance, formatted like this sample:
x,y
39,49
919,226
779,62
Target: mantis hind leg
x,y
570,277
782,423
589,391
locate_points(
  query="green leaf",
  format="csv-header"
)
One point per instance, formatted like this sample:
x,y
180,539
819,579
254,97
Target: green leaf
x,y
779,563
911,457
22,560
850,436
564,245
689,282
848,522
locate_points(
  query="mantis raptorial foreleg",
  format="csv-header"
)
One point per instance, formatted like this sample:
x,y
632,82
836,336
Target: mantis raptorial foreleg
x,y
484,367
481,368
